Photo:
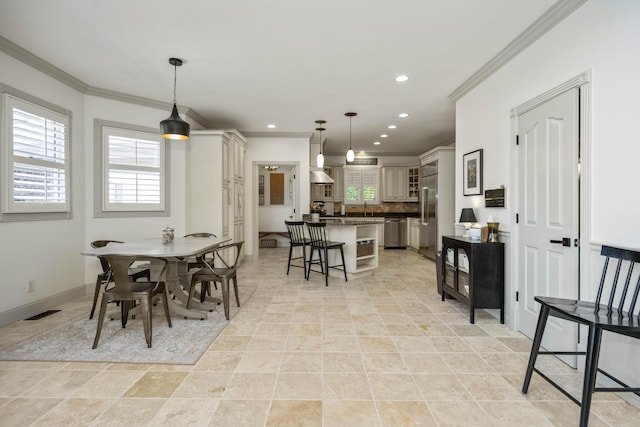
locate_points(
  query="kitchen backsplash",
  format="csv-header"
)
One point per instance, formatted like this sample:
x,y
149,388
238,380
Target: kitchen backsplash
x,y
384,207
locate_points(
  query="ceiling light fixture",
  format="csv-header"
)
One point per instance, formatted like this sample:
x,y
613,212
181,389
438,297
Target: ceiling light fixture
x,y
384,135
376,143
402,78
174,127
403,115
350,154
271,126
272,167
320,157
392,126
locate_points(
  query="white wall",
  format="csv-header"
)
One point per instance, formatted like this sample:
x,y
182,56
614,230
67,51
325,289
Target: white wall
x,y
131,228
602,36
278,151
45,251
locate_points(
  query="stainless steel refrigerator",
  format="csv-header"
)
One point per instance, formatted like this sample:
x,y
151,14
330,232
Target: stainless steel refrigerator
x,y
429,209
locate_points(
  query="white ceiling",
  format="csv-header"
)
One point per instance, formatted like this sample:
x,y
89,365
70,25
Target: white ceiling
x,y
249,63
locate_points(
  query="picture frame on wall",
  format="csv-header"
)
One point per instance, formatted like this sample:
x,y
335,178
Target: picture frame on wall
x,y
472,173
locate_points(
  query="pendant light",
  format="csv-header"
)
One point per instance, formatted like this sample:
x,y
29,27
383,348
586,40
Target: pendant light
x,y
350,154
174,127
320,157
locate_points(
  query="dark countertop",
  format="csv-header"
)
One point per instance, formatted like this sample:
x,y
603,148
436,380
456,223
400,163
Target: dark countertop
x,y
351,221
380,215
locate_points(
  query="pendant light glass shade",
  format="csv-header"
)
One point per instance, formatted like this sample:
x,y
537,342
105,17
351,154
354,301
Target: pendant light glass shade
x,y
350,154
174,127
320,156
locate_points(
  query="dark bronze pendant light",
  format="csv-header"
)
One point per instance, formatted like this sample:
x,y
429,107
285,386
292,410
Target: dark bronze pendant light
x,y
174,127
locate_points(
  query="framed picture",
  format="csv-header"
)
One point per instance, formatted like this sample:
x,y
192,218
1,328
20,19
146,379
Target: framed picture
x,y
472,173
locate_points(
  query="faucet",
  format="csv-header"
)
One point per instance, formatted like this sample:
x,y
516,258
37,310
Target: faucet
x,y
365,209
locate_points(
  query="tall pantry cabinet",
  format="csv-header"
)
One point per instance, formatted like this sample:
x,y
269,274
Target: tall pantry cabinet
x,y
215,183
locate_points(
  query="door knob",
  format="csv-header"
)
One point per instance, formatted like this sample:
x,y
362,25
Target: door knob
x,y
564,242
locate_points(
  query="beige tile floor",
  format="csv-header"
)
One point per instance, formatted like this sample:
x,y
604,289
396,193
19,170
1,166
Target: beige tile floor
x,y
378,351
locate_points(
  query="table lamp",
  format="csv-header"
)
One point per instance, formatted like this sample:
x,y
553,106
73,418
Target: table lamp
x,y
467,217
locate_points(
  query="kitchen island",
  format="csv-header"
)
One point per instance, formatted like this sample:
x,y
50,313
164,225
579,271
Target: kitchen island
x,y
361,247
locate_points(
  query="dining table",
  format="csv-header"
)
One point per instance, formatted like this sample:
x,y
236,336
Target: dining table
x,y
177,254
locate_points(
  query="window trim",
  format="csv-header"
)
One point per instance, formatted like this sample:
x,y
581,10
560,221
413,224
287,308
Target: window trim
x,y
6,166
99,171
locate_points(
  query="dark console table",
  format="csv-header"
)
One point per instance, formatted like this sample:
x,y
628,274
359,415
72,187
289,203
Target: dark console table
x,y
473,273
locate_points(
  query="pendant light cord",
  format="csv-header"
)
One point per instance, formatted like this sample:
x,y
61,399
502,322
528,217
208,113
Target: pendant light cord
x,y
175,79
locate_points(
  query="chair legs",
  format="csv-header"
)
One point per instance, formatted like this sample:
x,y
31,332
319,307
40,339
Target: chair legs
x,y
96,291
323,261
535,347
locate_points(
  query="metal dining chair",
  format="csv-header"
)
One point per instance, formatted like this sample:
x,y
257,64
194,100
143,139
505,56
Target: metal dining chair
x,y
134,273
227,256
193,263
127,291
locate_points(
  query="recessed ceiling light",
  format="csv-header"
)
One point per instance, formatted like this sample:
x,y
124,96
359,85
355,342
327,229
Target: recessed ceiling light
x,y
403,115
384,135
271,126
392,126
376,143
402,78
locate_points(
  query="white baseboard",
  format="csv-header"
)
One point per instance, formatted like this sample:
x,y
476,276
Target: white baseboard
x,y
31,309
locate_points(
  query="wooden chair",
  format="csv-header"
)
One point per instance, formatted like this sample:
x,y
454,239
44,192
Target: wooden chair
x,y
615,310
319,243
227,256
127,291
297,240
134,273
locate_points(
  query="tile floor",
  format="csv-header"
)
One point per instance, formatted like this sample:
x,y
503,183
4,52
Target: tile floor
x,y
378,351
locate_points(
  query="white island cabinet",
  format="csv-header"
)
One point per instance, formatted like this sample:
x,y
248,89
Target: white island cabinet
x,y
360,249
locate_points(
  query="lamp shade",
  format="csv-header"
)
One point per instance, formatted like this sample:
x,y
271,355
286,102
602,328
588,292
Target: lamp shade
x,y
174,127
467,215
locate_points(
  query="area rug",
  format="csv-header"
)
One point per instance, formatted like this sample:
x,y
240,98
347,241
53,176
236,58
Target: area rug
x,y
184,343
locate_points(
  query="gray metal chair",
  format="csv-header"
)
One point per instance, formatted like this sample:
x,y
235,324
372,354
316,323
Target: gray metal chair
x,y
127,291
205,287
227,256
134,273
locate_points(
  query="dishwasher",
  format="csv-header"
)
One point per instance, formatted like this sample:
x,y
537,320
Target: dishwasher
x,y
395,233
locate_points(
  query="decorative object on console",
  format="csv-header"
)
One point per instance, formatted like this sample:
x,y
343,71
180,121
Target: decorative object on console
x,y
320,157
174,127
472,173
467,217
493,230
350,154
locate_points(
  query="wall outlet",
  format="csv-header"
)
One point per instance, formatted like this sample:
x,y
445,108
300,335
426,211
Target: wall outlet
x,y
31,285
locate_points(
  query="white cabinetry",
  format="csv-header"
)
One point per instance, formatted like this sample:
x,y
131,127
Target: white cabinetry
x,y
215,183
414,232
361,184
329,192
401,183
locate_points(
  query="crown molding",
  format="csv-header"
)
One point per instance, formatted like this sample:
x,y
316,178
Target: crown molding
x,y
548,20
28,58
23,55
266,134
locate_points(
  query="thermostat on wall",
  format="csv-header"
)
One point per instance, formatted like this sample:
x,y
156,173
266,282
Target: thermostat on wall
x,y
494,198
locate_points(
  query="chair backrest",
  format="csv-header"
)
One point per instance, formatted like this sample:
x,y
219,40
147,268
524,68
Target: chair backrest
x,y
317,232
102,244
200,235
296,231
227,254
119,270
620,296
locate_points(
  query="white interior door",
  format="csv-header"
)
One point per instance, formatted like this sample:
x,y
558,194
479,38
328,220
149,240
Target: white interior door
x,y
548,214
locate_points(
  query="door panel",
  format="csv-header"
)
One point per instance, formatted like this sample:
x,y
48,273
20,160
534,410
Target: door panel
x,y
548,185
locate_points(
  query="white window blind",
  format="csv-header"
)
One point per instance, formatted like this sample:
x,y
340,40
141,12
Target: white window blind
x,y
133,167
361,186
370,186
37,160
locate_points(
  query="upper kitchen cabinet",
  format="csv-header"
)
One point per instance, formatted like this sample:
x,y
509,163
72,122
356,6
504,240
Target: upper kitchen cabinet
x,y
329,192
361,185
401,183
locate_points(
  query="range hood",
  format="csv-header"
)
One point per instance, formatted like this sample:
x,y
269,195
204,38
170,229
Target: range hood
x,y
319,177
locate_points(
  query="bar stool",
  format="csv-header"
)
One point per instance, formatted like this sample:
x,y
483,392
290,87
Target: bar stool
x,y
319,242
297,239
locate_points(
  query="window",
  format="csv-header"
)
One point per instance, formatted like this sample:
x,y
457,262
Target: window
x,y
132,162
361,186
36,159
